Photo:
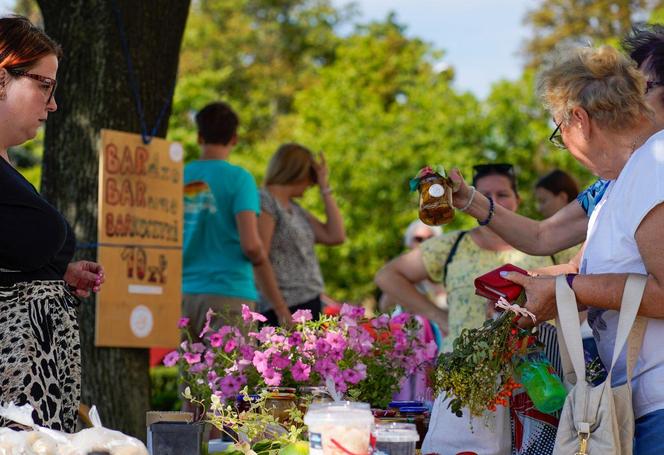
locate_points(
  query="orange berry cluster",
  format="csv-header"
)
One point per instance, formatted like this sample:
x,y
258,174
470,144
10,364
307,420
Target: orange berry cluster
x,y
504,395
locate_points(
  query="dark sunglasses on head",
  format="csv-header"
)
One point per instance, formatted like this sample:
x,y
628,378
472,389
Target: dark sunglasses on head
x,y
48,83
653,84
480,170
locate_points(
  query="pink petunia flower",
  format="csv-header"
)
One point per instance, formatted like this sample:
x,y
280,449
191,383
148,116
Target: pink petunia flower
x,y
230,346
250,316
301,371
271,377
192,358
302,316
208,319
171,358
183,322
216,340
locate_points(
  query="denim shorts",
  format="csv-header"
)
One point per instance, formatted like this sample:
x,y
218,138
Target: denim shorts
x,y
649,434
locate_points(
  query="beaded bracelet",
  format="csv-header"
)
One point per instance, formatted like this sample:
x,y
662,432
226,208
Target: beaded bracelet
x,y
490,215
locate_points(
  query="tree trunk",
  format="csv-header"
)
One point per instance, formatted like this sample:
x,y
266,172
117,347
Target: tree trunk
x,y
93,93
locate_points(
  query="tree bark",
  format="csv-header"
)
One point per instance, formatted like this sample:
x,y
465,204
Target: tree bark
x,y
94,93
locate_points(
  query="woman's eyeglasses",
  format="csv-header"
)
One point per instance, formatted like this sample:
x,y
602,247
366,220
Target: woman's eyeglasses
x,y
556,137
653,84
48,83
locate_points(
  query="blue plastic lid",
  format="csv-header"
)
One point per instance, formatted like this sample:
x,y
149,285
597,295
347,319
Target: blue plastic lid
x,y
401,404
414,409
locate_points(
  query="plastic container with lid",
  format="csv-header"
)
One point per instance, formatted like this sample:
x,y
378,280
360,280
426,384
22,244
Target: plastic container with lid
x,y
396,438
339,428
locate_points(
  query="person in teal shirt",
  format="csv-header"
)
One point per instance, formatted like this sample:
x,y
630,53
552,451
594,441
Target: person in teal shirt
x,y
221,245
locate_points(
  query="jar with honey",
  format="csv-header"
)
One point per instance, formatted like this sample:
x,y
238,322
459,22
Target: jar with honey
x,y
435,197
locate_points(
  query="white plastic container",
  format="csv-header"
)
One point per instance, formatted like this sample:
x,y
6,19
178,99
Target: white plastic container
x,y
396,438
339,428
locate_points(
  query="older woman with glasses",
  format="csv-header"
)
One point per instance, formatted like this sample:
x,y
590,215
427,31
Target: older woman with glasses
x,y
568,226
39,340
453,259
597,98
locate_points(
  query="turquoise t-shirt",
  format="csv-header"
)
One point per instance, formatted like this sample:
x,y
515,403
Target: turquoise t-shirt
x,y
212,260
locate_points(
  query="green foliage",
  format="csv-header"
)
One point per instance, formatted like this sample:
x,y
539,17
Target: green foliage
x,y
602,21
164,389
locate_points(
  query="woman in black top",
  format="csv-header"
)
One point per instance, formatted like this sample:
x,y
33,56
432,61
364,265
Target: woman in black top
x,y
39,340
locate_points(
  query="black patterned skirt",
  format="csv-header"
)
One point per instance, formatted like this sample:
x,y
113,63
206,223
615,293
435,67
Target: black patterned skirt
x,y
40,352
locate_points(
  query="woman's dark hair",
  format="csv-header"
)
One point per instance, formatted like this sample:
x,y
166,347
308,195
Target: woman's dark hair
x,y
645,45
217,123
557,182
22,44
504,169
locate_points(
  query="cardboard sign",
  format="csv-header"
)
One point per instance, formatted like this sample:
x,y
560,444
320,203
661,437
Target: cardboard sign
x,y
140,241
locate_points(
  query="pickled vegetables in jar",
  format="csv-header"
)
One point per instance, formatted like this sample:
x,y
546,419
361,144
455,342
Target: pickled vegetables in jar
x,y
435,196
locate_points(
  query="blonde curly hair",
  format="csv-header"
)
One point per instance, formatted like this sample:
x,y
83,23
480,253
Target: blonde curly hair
x,y
600,80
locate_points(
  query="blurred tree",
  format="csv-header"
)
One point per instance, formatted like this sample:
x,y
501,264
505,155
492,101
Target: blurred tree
x,y
254,54
557,21
380,112
92,94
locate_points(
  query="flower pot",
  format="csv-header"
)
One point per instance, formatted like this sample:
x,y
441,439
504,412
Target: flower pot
x,y
175,438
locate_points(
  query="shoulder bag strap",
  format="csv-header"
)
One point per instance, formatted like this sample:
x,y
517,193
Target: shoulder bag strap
x,y
629,307
569,339
451,254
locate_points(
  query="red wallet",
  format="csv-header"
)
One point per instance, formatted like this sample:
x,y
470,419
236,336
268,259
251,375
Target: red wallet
x,y
492,286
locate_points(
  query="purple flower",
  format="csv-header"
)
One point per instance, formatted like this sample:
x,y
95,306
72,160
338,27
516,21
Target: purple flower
x,y
208,318
325,367
361,370
230,346
209,358
216,340
171,358
280,362
381,321
247,352
197,368
183,322
271,377
250,316
197,347
230,385
401,318
302,316
322,347
336,340
192,357
264,335
301,371
295,339
351,376
352,311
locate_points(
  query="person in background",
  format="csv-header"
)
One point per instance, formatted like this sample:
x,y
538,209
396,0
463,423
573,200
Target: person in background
x,y
221,245
40,361
289,232
455,259
554,191
416,233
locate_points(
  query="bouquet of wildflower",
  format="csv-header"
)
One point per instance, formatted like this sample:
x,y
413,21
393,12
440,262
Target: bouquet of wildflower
x,y
479,373
365,358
